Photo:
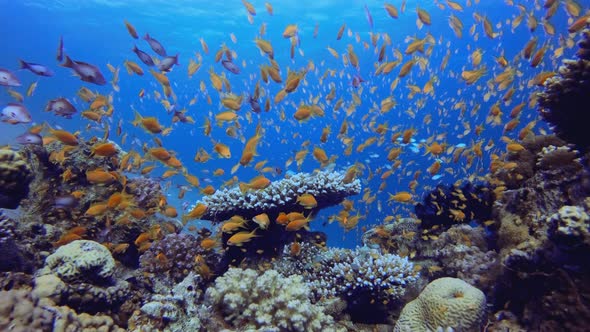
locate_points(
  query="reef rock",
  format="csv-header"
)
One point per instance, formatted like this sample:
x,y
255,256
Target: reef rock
x,y
15,177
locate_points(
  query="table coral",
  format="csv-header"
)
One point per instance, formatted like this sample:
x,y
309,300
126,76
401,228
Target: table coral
x,y
328,188
445,303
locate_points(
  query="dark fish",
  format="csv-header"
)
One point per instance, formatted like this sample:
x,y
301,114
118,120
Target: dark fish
x,y
254,104
14,113
29,138
357,80
144,57
167,63
155,45
65,201
60,49
227,64
61,107
87,72
369,17
181,116
36,68
7,78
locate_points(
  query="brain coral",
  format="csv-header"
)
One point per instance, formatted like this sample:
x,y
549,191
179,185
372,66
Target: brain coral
x,y
82,260
444,303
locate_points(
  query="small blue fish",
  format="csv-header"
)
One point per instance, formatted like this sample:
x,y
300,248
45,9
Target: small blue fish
x,y
155,45
36,68
144,57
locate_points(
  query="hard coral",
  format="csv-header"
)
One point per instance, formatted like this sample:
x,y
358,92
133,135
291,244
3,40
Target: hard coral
x,y
270,302
82,260
328,188
449,205
367,279
444,303
15,177
19,311
171,259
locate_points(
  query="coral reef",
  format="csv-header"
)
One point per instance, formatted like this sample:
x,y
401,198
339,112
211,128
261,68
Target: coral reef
x,y
327,187
445,303
462,251
81,276
569,228
177,310
368,280
541,238
267,301
82,260
20,311
15,177
460,203
171,259
563,101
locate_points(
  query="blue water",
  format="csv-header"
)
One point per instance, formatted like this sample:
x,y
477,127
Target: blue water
x,y
93,32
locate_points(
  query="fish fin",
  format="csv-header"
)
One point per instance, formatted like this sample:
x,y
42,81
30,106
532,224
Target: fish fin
x,y
243,187
68,63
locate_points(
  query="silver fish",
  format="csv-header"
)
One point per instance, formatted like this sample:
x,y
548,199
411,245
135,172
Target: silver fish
x,y
14,113
144,57
36,68
167,63
155,45
29,138
87,72
61,107
227,64
65,201
7,78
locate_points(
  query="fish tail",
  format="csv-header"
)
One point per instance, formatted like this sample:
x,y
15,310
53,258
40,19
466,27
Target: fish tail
x,y
147,36
137,119
134,49
68,63
23,65
243,187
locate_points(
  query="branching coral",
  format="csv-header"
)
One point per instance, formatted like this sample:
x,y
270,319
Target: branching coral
x,y
270,301
364,277
328,188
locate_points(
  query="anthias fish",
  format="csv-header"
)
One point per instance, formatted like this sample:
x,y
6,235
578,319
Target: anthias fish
x,y
87,72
